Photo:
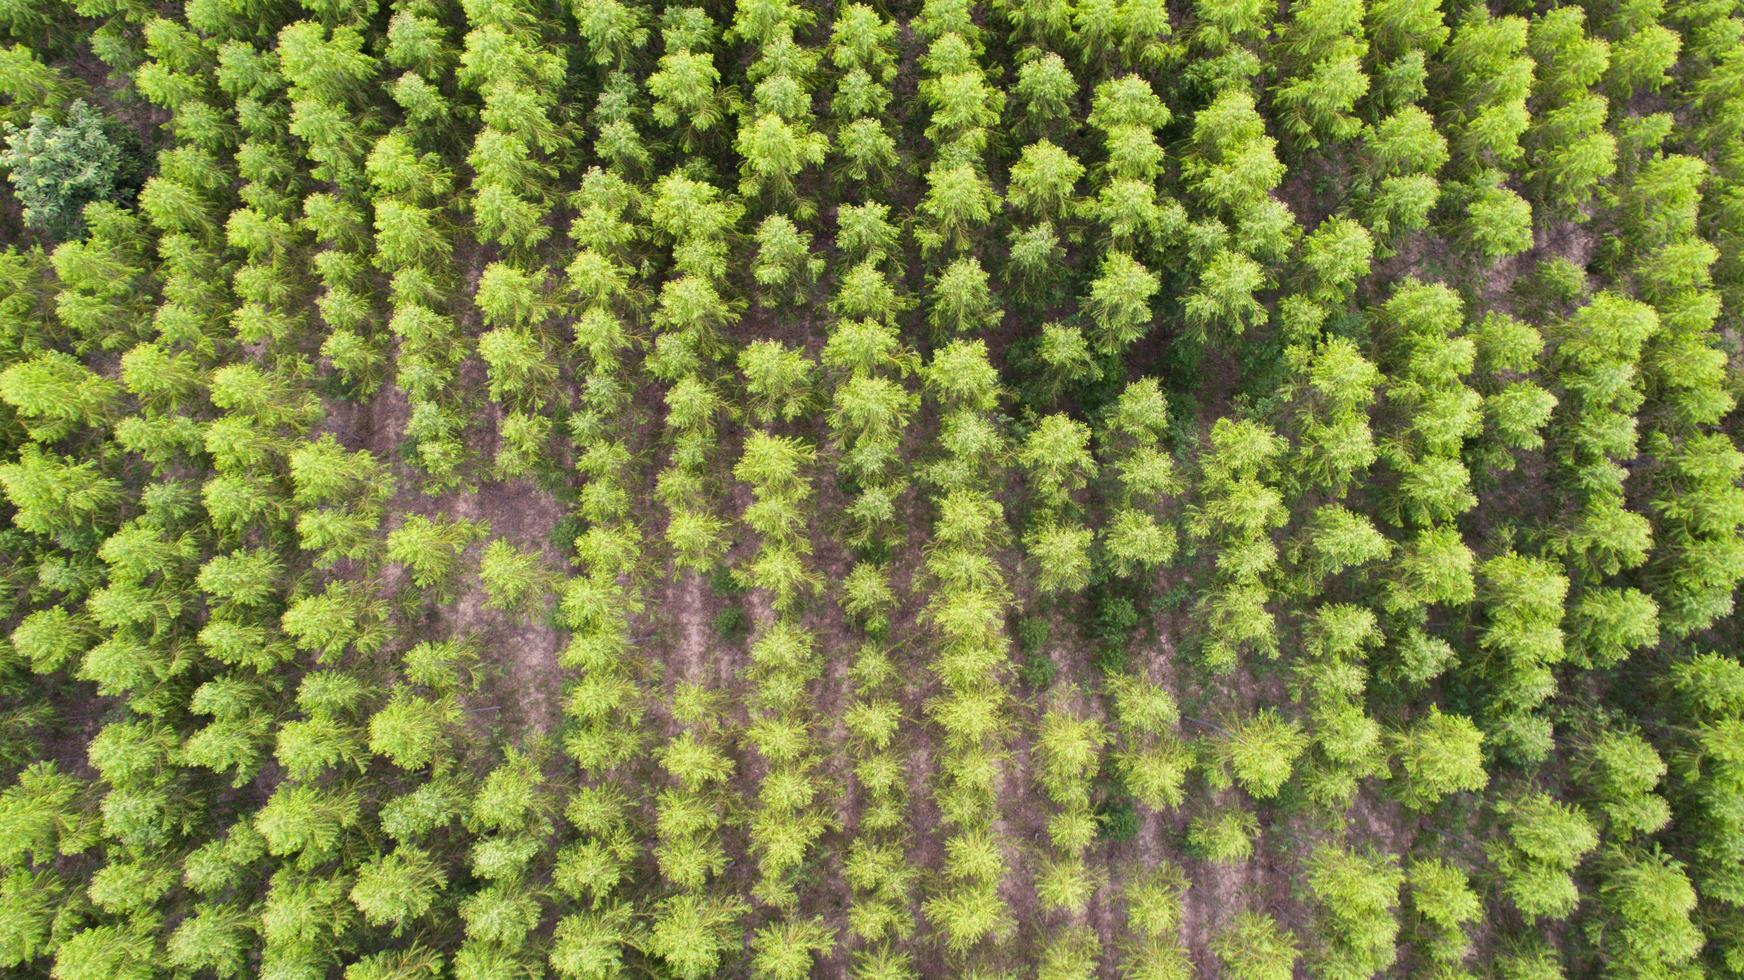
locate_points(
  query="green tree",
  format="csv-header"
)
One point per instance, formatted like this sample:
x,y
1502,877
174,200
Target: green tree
x,y
57,166
962,376
865,233
1543,841
1644,925
50,639
1336,256
429,549
510,297
1606,624
1438,754
398,888
1523,639
1043,181
1335,442
1239,511
1493,221
612,29
778,378
1230,164
1044,89
1260,752
123,952
868,150
1443,907
46,813
1407,152
1484,82
54,495
685,86
694,933
1336,539
1434,566
341,615
521,371
1699,508
306,823
1358,895
1061,552
411,730
1567,146
1252,946
1620,770
514,579
591,943
1223,303
1320,51
56,395
1709,690
1056,455
786,268
216,938
1119,302
961,299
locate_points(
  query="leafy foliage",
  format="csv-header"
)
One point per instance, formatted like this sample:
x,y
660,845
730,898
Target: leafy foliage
x,y
512,488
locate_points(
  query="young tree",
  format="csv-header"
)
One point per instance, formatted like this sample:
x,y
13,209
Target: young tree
x,y
1438,755
1523,598
786,267
1644,926
1151,756
398,888
961,300
1225,836
1320,51
1543,841
694,933
1254,947
1130,441
786,950
57,396
1239,511
1358,894
1443,907
1044,180
1260,752
1119,302
429,549
958,202
774,150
